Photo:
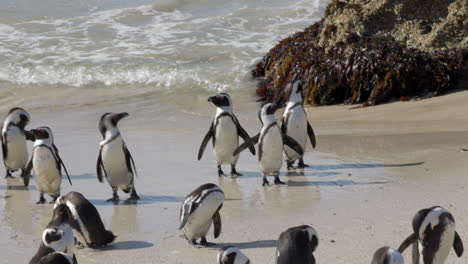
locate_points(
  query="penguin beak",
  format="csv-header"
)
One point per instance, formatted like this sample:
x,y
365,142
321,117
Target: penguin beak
x,y
213,99
117,117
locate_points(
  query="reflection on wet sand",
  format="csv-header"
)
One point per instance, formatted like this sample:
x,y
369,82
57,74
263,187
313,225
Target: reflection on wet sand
x,y
17,213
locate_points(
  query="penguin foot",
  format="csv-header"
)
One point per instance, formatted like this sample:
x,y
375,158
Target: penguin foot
x,y
278,181
221,172
134,195
301,164
113,199
290,165
78,244
8,175
204,243
42,200
265,182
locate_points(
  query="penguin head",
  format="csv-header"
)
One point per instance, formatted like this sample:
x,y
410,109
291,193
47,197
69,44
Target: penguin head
x,y
61,215
267,112
43,135
109,121
295,92
387,255
19,117
51,235
232,255
313,236
221,100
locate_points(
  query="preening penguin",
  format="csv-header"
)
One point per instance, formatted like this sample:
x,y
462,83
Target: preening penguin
x,y
86,221
115,160
13,137
434,235
297,245
295,124
225,131
271,141
232,255
199,208
46,163
387,255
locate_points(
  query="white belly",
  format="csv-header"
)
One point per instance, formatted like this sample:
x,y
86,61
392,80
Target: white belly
x,y
272,151
199,222
227,141
297,129
17,150
48,177
113,159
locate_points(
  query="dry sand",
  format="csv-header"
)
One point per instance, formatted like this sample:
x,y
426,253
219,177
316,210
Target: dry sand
x,y
372,170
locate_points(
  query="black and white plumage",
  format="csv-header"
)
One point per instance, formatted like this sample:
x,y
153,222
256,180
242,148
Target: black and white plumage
x,y
224,131
232,255
271,141
295,124
57,258
46,163
434,236
297,245
86,221
13,139
57,237
199,209
115,161
387,255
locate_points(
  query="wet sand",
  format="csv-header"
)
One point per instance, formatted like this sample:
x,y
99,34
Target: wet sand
x,y
373,169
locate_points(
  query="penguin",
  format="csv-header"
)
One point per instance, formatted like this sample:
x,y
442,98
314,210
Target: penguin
x,y
13,139
271,141
434,235
57,237
47,165
297,245
232,255
57,258
294,123
225,131
115,160
199,208
387,255
86,222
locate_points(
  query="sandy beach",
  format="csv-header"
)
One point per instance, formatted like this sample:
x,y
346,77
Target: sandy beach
x,y
372,170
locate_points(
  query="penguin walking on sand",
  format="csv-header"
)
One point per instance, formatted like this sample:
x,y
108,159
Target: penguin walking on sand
x,y
86,221
13,138
434,235
47,165
232,255
199,209
57,237
387,255
271,141
225,131
115,160
297,245
295,124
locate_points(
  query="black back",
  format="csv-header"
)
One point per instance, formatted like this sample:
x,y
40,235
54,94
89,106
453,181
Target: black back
x,y
55,258
294,247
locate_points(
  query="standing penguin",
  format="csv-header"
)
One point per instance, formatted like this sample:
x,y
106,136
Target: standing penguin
x,y
387,255
13,137
297,245
86,222
295,124
232,255
114,159
58,236
199,208
225,131
434,235
271,141
46,163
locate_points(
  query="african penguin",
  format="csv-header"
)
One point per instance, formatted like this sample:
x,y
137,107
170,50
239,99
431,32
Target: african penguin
x,y
86,222
297,245
387,255
115,160
58,236
271,141
434,235
13,138
46,163
232,255
57,258
295,124
225,131
199,208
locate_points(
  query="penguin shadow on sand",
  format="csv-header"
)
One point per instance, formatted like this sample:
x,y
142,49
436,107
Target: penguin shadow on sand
x,y
145,199
247,245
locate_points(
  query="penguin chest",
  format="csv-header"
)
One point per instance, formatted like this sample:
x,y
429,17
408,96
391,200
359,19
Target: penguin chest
x,y
48,177
115,164
17,156
199,221
226,141
271,150
296,127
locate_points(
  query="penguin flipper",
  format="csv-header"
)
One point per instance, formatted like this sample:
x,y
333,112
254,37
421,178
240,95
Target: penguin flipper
x,y
311,134
243,134
217,224
26,173
458,245
292,143
207,138
283,127
130,161
184,213
4,145
60,162
246,144
99,166
407,242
